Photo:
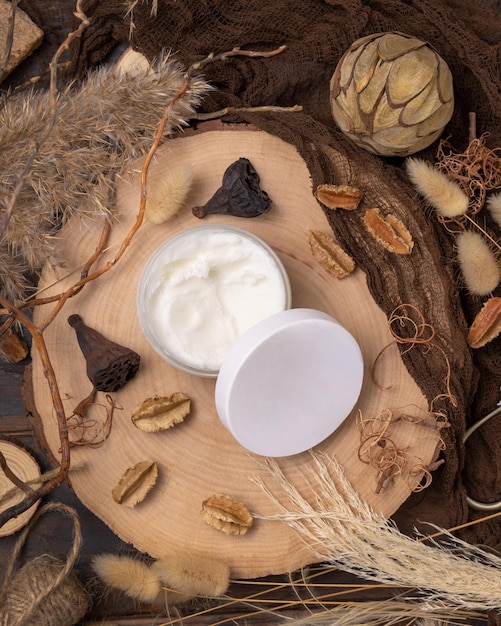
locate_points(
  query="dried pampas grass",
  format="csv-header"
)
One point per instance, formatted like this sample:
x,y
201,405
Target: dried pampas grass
x,y
341,529
100,125
479,266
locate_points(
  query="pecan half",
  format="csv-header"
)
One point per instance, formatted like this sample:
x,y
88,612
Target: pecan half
x,y
487,324
330,255
338,196
389,231
227,515
161,412
135,484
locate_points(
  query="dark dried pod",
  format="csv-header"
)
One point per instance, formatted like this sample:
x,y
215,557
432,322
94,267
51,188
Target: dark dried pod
x,y
240,194
109,365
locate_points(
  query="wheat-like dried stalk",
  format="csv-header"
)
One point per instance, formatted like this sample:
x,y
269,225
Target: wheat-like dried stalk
x,y
385,613
342,529
108,120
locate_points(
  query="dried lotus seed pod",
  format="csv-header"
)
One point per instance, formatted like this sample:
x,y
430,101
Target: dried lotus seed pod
x,y
161,412
135,483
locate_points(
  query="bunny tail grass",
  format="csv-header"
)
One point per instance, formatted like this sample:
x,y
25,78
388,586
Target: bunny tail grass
x,y
441,192
341,529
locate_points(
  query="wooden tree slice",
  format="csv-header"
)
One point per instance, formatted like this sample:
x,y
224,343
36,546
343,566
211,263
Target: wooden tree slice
x,y
199,458
24,466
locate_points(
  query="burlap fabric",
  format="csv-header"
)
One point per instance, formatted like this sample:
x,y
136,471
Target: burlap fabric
x,y
317,32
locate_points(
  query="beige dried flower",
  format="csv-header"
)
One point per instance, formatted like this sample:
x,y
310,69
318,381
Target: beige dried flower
x,y
493,205
443,194
479,267
193,574
129,574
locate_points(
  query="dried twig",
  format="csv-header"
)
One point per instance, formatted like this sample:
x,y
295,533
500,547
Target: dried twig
x,y
259,109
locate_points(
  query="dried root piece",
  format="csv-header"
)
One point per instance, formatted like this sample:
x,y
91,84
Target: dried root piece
x,y
338,196
389,231
228,516
160,412
135,483
330,255
487,324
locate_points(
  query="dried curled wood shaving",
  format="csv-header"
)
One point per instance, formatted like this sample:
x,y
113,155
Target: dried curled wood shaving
x,y
487,324
389,231
338,196
227,515
330,255
135,484
161,412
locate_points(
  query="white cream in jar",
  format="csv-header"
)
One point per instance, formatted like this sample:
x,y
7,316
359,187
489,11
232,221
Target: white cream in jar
x,y
203,288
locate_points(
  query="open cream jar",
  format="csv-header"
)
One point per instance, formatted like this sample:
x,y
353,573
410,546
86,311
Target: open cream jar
x,y
202,289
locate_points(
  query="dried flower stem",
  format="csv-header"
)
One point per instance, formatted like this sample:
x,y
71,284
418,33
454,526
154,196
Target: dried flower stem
x,y
259,109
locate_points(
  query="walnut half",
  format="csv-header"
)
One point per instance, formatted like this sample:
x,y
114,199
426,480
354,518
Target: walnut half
x,y
227,515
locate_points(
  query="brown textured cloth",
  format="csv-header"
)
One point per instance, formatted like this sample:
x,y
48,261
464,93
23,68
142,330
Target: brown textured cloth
x,y
317,32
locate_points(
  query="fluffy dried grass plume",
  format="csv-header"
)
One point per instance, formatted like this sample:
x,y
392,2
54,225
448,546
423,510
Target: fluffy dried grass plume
x,y
128,574
479,266
101,124
440,192
340,528
193,575
493,205
168,192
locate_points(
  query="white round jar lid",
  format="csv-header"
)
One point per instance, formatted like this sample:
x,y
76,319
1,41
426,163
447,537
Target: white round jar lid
x,y
289,382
